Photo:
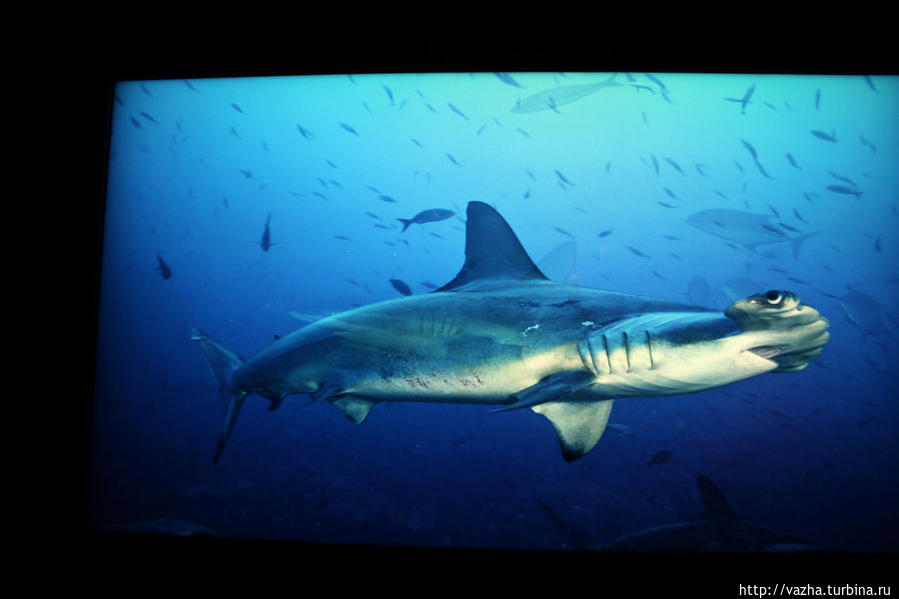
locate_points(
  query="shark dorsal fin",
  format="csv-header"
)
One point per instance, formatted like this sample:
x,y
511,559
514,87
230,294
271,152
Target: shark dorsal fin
x,y
492,251
714,505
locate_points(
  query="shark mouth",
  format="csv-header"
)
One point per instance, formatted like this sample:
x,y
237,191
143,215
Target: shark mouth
x,y
768,351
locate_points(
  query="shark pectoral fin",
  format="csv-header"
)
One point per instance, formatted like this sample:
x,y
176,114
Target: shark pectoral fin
x,y
578,424
550,388
355,408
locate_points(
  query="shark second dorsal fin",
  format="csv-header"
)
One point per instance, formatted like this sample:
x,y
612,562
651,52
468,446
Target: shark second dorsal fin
x,y
492,251
714,505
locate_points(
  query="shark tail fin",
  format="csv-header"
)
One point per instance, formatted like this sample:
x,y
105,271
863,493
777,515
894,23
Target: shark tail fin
x,y
796,243
222,362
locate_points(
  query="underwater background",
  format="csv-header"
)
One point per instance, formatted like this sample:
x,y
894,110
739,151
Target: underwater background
x,y
199,169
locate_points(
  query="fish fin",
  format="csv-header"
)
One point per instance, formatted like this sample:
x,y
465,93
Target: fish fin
x,y
406,222
578,424
796,243
492,251
549,388
714,505
355,408
222,362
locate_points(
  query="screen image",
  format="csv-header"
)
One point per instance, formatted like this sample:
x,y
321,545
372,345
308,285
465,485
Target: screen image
x,y
591,311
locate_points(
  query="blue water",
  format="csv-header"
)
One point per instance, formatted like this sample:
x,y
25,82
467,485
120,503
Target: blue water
x,y
197,166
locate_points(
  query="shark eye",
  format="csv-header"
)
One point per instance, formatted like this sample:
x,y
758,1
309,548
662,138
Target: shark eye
x,y
773,297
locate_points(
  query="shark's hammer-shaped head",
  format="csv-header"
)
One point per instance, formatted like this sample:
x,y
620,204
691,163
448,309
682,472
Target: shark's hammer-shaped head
x,y
787,332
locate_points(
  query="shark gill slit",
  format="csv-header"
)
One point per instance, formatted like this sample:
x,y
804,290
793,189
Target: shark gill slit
x,y
605,346
627,353
649,347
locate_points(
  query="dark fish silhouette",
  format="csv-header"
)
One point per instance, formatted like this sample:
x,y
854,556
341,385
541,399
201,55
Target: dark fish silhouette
x,y
305,132
825,136
136,123
673,164
844,190
799,216
792,161
605,233
507,79
348,128
749,147
431,215
869,82
817,99
660,457
187,83
163,268
457,111
453,160
148,117
236,107
266,242
388,92
400,286
562,177
637,252
384,198
563,232
744,100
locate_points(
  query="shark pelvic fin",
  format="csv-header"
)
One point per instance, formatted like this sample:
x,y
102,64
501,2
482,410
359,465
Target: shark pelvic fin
x,y
492,250
355,408
578,424
550,388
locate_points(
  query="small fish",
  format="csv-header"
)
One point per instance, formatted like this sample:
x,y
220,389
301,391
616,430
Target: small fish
x,y
388,92
188,84
373,215
646,87
236,107
523,132
431,215
266,242
877,246
660,457
739,166
869,82
842,178
670,193
233,131
562,177
817,99
136,123
481,130
331,164
428,285
799,216
759,166
342,237
350,129
609,166
507,79
672,237
655,163
305,132
637,252
666,205
792,160
457,111
774,210
148,117
699,170
385,198
865,142
844,190
416,142
144,89
163,268
749,147
401,286
656,81
674,164
658,275
605,233
788,227
563,232
825,136
453,160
